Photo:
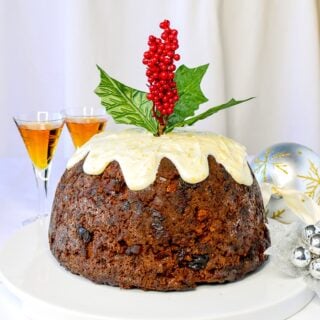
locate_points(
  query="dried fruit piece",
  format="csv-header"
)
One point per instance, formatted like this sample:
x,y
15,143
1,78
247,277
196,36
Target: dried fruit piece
x,y
133,250
199,261
84,234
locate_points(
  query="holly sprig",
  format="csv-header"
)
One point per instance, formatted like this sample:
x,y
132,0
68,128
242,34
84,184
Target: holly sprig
x,y
130,106
173,97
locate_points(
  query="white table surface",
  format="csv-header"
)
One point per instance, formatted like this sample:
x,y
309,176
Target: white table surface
x,y
18,202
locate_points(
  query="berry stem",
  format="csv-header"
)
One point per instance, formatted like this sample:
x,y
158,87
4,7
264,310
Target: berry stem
x,y
162,121
161,129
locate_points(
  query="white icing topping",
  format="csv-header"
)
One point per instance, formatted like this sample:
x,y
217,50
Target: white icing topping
x,y
139,154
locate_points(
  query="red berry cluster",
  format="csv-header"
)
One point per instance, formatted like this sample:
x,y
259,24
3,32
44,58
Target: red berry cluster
x,y
159,60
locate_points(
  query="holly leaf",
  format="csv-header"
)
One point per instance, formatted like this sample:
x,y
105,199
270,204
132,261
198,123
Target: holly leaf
x,y
206,114
126,105
190,95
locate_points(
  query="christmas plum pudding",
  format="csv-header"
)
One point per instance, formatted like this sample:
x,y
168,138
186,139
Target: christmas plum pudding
x,y
160,210
160,213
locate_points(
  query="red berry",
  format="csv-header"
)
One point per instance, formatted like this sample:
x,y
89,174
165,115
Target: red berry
x,y
174,47
170,75
167,60
153,47
164,24
164,35
163,75
147,55
170,54
160,69
172,67
163,67
174,32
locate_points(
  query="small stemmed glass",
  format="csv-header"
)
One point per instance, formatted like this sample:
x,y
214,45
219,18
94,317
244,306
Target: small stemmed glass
x,y
83,123
40,132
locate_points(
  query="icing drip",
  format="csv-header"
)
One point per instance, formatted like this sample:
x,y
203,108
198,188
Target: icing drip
x,y
139,154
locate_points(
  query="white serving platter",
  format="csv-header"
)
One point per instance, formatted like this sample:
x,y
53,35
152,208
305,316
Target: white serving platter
x,y
49,292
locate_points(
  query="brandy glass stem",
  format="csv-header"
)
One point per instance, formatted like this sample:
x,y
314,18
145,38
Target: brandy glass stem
x,y
42,180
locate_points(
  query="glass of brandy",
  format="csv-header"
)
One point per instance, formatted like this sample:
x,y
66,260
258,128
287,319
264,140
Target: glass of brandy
x,y
40,132
83,123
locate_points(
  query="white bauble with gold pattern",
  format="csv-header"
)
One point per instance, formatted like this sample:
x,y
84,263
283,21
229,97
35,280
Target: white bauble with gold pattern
x,y
289,173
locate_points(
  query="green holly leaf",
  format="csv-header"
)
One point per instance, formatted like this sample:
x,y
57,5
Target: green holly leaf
x,y
206,114
126,105
190,95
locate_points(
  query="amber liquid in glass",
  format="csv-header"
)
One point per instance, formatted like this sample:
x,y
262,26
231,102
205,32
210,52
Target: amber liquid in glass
x,y
41,140
83,128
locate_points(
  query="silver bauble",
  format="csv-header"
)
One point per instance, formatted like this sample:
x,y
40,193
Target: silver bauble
x,y
309,231
315,244
314,268
300,257
288,166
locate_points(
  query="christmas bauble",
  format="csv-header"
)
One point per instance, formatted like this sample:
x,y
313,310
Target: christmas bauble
x,y
315,244
289,166
314,268
301,257
309,231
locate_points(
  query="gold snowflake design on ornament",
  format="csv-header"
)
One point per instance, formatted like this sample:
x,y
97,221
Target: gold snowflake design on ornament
x,y
277,215
313,181
273,160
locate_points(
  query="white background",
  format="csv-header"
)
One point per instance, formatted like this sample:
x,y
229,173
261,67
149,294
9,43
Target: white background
x,y
267,48
48,51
